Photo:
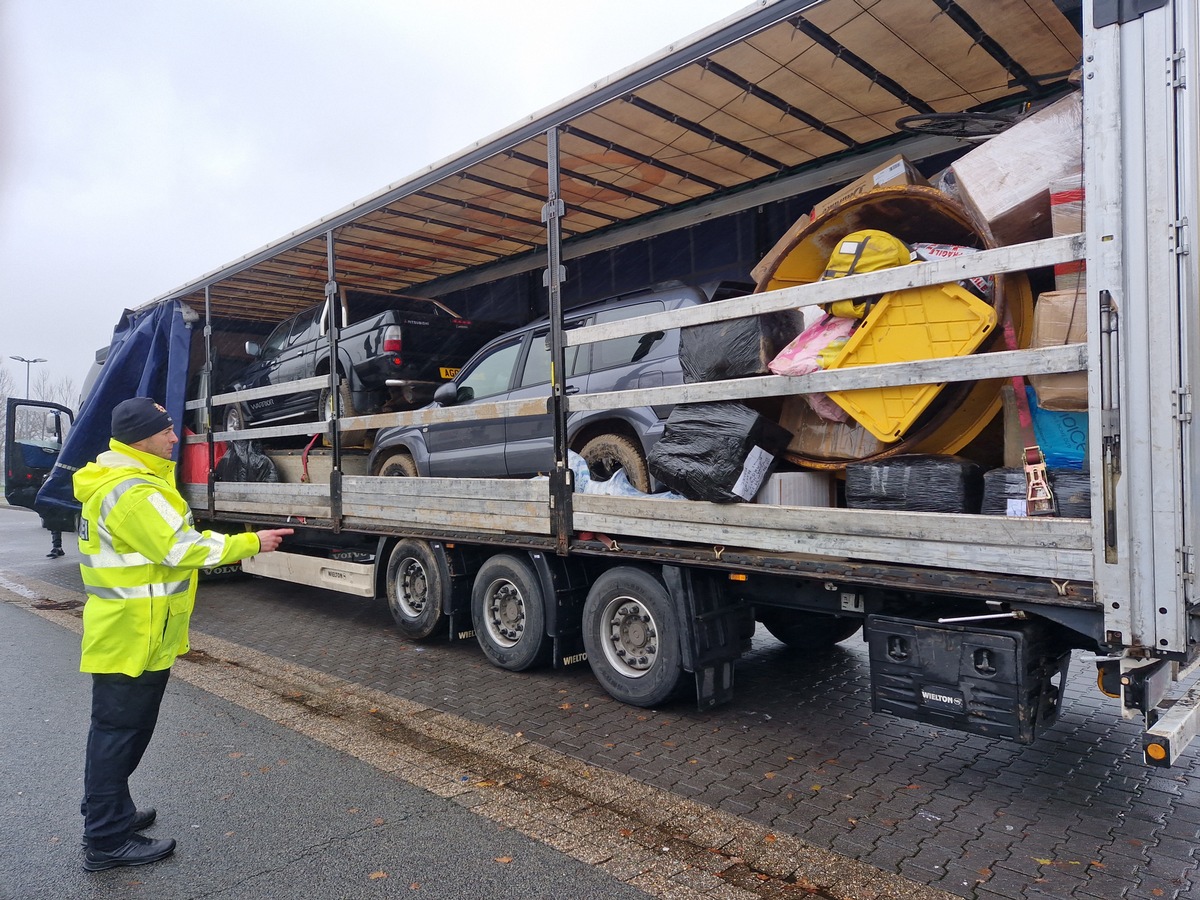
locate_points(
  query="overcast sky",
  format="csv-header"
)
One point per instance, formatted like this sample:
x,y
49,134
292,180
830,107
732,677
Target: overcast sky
x,y
146,142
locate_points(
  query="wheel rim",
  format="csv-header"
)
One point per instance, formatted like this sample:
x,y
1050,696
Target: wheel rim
x,y
504,613
412,588
631,643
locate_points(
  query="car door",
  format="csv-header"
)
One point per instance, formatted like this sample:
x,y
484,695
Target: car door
x,y
529,440
474,448
261,372
295,361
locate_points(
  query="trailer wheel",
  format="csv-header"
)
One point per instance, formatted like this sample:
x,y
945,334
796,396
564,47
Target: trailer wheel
x,y
416,589
632,637
606,453
398,465
508,613
808,630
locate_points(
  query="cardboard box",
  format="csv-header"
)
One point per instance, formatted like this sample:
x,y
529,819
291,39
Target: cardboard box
x,y
1014,438
782,248
817,438
1060,317
798,489
1005,182
1067,217
896,171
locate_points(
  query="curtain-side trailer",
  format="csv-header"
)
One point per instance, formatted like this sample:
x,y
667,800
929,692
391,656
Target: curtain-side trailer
x,y
691,165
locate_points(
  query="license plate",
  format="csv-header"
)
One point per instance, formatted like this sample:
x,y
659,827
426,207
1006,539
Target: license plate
x,y
447,372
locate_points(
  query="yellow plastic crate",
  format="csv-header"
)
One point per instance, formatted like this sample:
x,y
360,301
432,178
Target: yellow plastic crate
x,y
935,322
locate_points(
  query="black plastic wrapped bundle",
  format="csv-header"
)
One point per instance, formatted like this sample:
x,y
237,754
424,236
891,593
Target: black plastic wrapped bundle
x,y
736,348
1072,491
717,451
243,461
917,483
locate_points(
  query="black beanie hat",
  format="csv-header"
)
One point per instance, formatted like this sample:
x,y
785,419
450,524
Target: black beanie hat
x,y
138,418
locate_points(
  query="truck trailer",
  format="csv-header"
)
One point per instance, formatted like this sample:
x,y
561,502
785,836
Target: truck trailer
x,y
748,153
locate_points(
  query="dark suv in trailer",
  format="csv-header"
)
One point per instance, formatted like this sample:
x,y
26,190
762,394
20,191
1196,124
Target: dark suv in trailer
x,y
516,366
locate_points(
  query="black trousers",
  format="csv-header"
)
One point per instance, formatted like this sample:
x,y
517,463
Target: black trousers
x,y
124,713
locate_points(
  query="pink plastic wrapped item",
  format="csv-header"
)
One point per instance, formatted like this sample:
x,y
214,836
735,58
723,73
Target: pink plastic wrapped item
x,y
802,357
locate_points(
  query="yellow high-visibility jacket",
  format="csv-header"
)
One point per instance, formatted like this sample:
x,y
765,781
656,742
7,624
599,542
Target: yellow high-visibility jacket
x,y
141,554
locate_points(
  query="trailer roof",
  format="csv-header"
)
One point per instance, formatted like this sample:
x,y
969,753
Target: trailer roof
x,y
754,102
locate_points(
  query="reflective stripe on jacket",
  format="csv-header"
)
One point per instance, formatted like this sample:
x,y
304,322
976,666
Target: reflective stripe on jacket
x,y
140,558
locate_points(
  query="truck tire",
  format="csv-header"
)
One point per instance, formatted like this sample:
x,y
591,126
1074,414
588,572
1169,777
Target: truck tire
x,y
606,453
808,630
398,465
508,613
631,636
416,589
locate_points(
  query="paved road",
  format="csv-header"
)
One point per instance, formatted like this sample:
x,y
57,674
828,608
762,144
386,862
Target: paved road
x,y
258,810
798,752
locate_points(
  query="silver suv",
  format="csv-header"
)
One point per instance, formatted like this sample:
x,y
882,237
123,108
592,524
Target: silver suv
x,y
516,366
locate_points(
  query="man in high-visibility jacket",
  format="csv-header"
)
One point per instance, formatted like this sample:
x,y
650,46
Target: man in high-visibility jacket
x,y
141,555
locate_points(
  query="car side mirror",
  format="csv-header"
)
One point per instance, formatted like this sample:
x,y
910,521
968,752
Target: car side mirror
x,y
253,350
446,394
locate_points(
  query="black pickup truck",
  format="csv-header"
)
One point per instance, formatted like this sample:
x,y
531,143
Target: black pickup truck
x,y
393,352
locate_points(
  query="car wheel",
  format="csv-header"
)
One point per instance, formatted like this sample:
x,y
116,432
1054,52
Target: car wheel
x,y
632,637
416,589
235,419
606,453
508,614
808,630
325,413
398,465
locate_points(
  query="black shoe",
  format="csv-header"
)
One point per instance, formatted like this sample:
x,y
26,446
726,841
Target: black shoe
x,y
137,851
142,819
56,553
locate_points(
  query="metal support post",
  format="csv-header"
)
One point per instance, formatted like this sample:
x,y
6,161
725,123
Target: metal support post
x,y
335,388
560,477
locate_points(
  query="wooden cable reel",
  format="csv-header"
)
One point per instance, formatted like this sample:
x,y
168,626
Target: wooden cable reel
x,y
962,410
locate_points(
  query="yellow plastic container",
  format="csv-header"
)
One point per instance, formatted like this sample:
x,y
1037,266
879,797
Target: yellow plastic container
x,y
962,411
919,323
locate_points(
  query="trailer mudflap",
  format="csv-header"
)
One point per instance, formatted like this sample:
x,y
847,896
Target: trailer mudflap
x,y
1000,682
712,631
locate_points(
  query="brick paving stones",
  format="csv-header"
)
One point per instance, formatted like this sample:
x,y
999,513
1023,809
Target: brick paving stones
x,y
799,751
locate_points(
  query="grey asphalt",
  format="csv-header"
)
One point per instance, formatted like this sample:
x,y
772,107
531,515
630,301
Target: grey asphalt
x,y
258,811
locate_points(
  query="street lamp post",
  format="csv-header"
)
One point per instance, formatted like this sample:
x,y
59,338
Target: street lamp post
x,y
28,363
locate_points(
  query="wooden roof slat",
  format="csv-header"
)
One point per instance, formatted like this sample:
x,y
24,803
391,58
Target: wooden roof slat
x,y
791,83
